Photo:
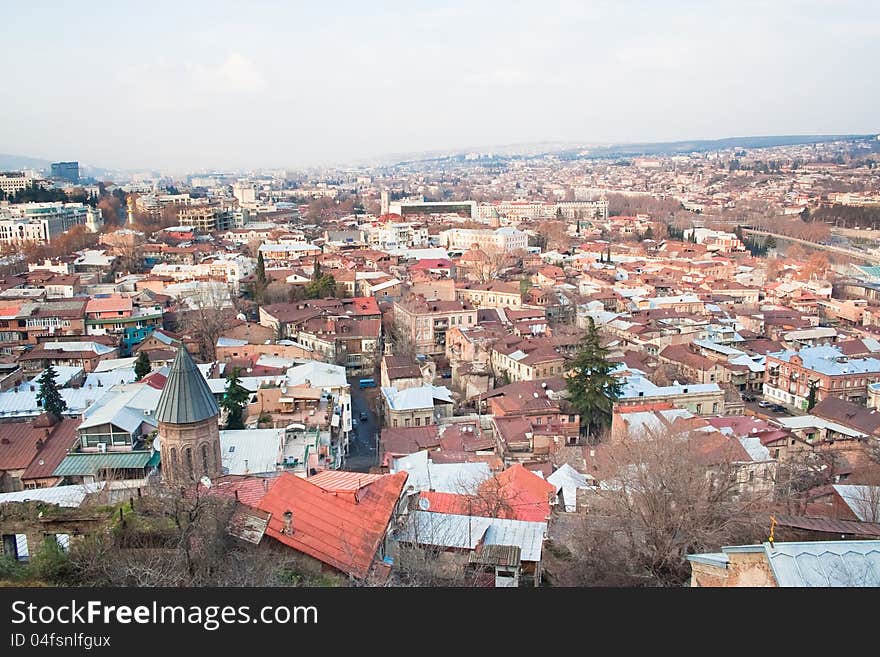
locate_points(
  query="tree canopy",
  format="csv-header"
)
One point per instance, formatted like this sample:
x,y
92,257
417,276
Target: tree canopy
x,y
142,366
591,386
48,397
234,400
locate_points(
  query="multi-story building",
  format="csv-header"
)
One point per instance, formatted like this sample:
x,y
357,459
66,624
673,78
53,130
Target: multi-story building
x,y
790,375
43,222
206,218
222,268
66,171
115,315
505,239
12,182
524,359
523,209
396,235
497,294
425,322
715,240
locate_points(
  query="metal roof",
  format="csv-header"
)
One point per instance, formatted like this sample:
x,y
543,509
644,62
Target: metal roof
x,y
415,398
186,397
459,531
81,463
251,451
863,501
424,474
825,563
69,496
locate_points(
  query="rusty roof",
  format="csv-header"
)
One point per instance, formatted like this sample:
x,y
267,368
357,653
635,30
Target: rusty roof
x,y
830,525
338,530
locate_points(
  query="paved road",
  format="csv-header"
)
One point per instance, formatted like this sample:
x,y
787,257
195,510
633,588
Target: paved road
x,y
362,441
859,255
765,412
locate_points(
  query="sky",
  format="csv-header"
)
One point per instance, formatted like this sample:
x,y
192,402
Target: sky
x,y
188,85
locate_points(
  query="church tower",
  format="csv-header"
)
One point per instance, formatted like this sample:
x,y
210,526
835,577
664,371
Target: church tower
x,y
188,431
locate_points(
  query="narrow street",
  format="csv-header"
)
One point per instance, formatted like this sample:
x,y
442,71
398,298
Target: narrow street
x,y
362,441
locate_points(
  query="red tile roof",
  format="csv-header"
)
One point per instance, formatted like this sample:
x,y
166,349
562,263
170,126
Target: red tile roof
x,y
337,530
18,444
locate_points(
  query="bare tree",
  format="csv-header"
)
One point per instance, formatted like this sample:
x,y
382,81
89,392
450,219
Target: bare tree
x,y
179,538
660,501
211,307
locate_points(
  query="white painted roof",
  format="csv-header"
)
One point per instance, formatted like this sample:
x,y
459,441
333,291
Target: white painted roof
x,y
251,451
458,531
68,496
425,475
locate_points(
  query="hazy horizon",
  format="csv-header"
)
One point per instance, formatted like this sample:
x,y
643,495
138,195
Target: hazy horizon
x,y
205,85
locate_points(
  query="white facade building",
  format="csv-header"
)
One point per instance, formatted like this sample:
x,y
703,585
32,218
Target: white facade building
x,y
505,239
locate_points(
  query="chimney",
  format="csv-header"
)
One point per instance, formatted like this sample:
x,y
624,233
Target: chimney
x,y
288,523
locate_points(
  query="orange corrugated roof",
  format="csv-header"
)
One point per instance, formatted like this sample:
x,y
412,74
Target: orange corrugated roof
x,y
527,494
515,494
108,304
340,480
333,528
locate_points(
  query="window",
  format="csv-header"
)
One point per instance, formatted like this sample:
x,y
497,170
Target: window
x,y
418,421
174,462
206,467
406,422
189,463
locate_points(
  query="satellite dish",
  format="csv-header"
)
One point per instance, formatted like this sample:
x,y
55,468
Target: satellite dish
x,y
424,503
204,481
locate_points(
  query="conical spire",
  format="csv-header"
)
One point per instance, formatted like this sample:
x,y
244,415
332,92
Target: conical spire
x,y
186,397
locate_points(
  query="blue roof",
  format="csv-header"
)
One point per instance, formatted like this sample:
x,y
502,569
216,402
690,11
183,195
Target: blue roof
x,y
825,563
824,359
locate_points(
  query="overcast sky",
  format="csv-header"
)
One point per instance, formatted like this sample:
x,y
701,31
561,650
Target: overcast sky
x,y
189,84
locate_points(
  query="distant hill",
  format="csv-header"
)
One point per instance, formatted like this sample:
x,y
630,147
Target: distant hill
x,y
574,150
16,162
700,145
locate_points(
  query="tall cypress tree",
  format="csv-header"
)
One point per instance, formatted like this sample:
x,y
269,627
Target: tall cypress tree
x,y
591,386
261,269
48,397
234,401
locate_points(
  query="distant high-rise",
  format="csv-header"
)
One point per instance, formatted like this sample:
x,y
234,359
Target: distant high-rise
x,y
68,171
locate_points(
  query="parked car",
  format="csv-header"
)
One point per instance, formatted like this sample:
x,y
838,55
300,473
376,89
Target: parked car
x,y
763,403
354,423
748,398
365,417
776,408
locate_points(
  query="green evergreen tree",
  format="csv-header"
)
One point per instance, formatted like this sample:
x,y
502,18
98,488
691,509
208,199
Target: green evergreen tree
x,y
811,395
48,397
142,366
649,234
591,386
234,400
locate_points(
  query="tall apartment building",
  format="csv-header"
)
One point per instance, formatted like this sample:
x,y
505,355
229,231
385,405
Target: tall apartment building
x,y
206,218
42,222
66,171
